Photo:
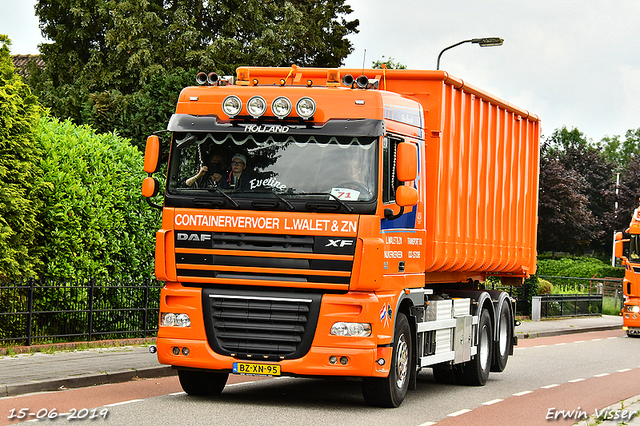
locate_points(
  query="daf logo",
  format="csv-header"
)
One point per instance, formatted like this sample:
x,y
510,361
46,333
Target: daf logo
x,y
339,243
193,237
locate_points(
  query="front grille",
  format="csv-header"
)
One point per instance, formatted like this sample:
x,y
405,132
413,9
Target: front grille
x,y
263,257
260,325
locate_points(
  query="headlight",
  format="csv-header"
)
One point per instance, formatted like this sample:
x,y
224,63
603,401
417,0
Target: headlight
x,y
281,107
633,308
232,105
305,107
169,319
257,106
351,329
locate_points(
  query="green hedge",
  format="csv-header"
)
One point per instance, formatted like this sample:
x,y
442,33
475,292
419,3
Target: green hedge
x,y
581,267
95,221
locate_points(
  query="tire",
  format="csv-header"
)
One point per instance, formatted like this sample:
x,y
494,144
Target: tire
x,y
389,392
476,371
502,346
202,383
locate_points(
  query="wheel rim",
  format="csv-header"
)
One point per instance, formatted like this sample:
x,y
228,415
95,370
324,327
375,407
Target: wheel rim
x,y
402,361
504,329
484,347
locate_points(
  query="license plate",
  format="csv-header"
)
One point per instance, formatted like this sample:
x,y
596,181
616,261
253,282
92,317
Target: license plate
x,y
256,369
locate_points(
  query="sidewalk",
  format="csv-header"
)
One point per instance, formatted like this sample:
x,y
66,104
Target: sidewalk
x,y
27,373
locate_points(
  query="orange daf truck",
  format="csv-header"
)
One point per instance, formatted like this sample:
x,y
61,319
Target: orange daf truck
x,y
628,250
349,232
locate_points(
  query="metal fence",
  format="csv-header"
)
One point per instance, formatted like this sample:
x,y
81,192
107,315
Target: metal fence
x,y
46,311
570,305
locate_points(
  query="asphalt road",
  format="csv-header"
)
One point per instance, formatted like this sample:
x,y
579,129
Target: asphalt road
x,y
579,372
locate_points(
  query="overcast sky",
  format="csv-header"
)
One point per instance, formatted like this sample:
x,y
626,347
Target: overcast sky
x,y
573,63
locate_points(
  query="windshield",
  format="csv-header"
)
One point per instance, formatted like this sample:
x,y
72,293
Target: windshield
x,y
243,165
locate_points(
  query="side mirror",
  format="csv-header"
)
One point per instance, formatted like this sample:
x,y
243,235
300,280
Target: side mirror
x,y
406,196
150,187
407,162
152,154
618,248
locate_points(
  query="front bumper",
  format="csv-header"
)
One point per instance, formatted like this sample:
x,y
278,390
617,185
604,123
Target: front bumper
x,y
361,362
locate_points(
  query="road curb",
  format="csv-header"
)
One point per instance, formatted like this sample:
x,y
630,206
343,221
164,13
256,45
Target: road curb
x,y
549,333
87,380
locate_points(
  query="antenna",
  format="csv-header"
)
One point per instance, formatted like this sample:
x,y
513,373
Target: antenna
x,y
363,59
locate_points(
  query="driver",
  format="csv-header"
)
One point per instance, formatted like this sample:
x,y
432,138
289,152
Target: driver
x,y
238,178
209,175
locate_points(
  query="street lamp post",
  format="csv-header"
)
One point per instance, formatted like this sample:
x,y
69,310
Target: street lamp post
x,y
483,42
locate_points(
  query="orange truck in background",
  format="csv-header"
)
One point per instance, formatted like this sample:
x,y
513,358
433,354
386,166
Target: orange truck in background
x,y
349,232
630,257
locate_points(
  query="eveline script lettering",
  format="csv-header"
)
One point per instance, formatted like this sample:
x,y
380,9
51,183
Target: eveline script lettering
x,y
263,128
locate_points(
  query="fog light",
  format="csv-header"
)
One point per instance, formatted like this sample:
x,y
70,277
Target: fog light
x,y
305,107
257,106
344,360
232,105
185,351
281,107
626,316
333,359
176,350
381,361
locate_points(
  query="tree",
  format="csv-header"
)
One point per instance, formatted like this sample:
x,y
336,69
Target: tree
x,y
565,223
104,53
390,64
575,152
20,178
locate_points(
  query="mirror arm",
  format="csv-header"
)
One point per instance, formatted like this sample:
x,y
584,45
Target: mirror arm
x,y
152,204
388,213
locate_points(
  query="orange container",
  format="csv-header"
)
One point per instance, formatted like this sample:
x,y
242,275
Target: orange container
x,y
481,162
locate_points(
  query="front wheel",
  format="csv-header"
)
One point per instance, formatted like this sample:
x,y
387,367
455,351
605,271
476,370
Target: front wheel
x,y
390,391
202,383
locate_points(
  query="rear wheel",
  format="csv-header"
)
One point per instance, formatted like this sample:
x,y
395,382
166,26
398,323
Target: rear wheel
x,y
390,391
202,382
476,371
502,347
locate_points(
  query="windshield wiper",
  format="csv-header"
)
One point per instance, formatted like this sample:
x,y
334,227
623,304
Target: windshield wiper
x,y
290,206
217,189
347,207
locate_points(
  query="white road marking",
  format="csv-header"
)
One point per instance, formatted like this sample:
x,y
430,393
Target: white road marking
x,y
124,402
457,413
492,402
522,393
